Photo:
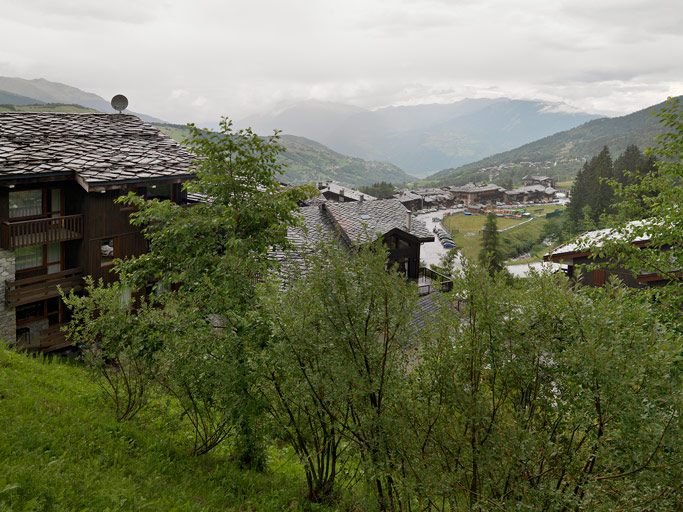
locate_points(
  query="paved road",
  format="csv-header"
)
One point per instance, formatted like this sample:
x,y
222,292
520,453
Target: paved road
x,y
432,252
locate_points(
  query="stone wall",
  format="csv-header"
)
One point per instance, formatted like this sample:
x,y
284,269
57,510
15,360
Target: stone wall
x,y
8,319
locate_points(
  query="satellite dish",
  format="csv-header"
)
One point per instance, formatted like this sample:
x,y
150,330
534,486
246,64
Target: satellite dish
x,y
119,102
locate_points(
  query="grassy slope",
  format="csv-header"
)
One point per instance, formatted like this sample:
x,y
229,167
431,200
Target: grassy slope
x,y
581,142
61,449
466,231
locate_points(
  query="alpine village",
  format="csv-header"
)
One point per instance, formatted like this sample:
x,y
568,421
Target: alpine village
x,y
463,305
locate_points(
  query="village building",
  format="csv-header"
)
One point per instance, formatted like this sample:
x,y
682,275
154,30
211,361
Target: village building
x,y
472,194
59,177
530,194
333,191
578,254
410,200
357,223
538,180
434,197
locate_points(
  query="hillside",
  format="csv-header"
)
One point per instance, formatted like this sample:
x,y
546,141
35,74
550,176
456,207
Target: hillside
x,y
61,449
20,91
45,107
562,154
307,161
422,138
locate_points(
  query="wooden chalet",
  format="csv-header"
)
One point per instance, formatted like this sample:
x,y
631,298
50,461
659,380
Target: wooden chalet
x,y
473,194
531,194
59,176
578,255
333,191
357,223
544,181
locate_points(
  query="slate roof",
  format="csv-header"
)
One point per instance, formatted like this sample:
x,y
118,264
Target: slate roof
x,y
96,149
365,221
348,223
531,188
341,190
471,187
592,239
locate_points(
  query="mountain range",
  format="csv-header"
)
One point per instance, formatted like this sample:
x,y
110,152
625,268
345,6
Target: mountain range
x,y
20,91
306,161
422,139
560,155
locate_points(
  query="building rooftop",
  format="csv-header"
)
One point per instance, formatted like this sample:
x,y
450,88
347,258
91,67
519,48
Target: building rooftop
x,y
471,187
97,150
365,221
341,190
585,243
531,188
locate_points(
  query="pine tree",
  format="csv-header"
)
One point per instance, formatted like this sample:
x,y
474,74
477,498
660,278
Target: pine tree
x,y
490,256
592,190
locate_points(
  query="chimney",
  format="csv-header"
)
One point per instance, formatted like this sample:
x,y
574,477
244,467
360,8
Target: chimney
x,y
410,220
362,198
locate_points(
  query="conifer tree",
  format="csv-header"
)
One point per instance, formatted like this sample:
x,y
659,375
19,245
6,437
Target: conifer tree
x,y
490,256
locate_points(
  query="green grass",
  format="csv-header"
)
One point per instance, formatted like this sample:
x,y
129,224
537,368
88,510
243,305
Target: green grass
x,y
566,184
62,450
466,231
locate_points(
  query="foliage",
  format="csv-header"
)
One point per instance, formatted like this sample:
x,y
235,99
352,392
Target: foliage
x,y
117,343
530,400
592,196
656,199
490,256
61,450
204,262
381,190
336,370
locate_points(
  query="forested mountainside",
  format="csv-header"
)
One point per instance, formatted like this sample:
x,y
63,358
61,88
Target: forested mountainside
x,y
562,154
307,161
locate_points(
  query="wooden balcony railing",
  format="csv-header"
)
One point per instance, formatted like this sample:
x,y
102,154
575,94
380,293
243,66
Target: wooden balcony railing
x,y
429,281
24,233
31,289
47,340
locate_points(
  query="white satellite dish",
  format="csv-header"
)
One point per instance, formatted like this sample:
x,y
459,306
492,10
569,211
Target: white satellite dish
x,y
119,102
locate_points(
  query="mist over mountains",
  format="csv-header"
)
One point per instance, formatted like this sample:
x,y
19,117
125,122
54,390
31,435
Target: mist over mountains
x,y
422,139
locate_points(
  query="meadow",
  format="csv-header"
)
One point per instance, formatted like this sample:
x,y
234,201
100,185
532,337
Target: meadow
x,y
61,450
520,235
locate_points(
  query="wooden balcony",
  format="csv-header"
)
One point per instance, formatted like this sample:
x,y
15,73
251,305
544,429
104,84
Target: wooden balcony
x,y
48,340
31,289
24,233
429,281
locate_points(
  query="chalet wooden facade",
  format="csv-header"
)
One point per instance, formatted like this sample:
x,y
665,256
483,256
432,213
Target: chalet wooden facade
x,y
60,175
584,267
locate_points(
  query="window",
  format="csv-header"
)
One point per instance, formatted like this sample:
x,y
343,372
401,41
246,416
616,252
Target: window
x,y
107,252
25,203
54,258
55,202
28,257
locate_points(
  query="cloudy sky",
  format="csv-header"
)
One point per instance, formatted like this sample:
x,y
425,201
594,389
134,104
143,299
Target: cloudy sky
x,y
194,60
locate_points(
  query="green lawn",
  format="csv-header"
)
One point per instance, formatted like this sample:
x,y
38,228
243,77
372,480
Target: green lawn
x,y
62,450
466,231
